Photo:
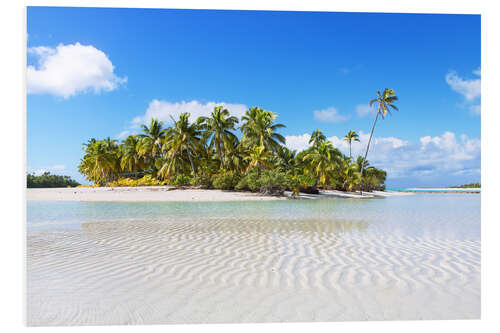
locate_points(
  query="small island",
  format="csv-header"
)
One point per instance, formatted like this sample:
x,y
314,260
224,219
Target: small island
x,y
206,153
471,185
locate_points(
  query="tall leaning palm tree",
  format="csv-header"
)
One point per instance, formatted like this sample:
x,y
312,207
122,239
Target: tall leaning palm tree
x,y
218,129
384,101
350,137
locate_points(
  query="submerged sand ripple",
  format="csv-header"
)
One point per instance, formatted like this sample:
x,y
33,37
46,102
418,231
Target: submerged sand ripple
x,y
218,270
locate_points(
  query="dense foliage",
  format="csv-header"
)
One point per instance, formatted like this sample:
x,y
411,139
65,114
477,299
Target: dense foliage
x,y
472,185
48,180
206,152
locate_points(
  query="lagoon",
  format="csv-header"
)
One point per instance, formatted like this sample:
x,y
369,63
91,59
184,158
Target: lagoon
x,y
394,258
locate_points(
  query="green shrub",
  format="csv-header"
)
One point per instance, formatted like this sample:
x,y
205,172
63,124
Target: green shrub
x,y
249,182
181,180
147,180
203,180
225,180
272,182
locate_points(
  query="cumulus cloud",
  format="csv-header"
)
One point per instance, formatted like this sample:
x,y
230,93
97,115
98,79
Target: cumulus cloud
x,y
437,156
470,89
298,142
71,69
329,115
163,110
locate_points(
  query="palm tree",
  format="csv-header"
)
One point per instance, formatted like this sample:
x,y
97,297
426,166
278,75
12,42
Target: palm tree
x,y
181,140
100,162
361,163
350,137
322,160
317,137
285,159
131,160
218,127
348,173
150,145
384,101
259,129
258,157
234,157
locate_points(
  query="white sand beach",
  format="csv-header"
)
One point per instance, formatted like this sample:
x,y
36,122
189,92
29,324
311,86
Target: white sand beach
x,y
171,194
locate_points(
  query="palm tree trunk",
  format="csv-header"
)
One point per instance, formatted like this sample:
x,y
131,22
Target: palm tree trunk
x,y
367,148
315,186
350,145
191,161
219,151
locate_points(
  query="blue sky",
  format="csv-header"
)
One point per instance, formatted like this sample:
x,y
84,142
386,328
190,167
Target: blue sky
x,y
99,72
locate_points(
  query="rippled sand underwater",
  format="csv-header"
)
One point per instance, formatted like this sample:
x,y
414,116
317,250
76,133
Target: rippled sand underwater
x,y
398,258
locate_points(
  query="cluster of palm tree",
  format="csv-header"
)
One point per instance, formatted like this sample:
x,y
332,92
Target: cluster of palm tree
x,y
210,145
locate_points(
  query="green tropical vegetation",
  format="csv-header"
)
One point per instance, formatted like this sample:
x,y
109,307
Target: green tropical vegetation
x,y
48,180
471,185
224,152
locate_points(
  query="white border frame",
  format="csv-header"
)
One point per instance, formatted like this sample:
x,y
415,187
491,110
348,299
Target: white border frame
x,y
13,102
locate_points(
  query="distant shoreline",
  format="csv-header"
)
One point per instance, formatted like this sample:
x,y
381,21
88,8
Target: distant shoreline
x,y
172,194
440,190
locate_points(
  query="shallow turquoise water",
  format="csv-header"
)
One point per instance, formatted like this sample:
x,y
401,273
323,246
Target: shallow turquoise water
x,y
446,216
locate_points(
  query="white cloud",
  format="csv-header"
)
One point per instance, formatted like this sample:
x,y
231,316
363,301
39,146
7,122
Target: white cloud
x,y
470,89
329,115
365,110
164,110
70,69
438,156
298,142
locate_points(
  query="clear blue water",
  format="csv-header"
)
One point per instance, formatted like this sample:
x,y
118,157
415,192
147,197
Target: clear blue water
x,y
442,215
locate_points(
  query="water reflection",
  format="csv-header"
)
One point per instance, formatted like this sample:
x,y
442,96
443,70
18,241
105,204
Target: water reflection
x,y
449,216
226,227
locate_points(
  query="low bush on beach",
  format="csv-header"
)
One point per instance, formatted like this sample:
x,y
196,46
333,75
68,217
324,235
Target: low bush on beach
x,y
147,180
273,182
204,181
225,180
181,180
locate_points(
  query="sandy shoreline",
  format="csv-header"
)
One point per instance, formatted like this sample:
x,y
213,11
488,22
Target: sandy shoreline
x,y
170,194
